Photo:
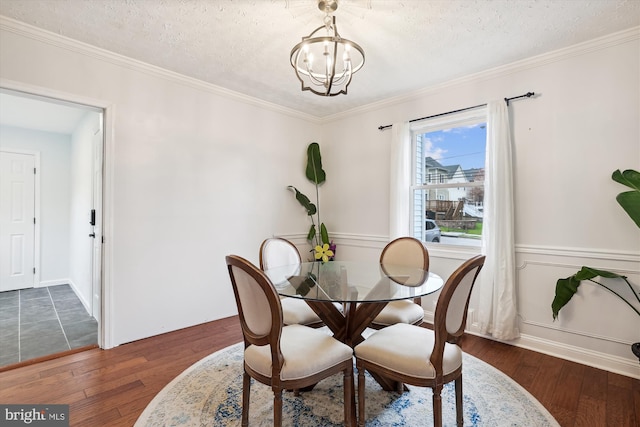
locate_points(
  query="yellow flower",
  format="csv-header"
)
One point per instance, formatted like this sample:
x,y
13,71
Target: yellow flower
x,y
323,252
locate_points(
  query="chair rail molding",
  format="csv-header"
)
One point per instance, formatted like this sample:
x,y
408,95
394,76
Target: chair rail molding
x,y
558,251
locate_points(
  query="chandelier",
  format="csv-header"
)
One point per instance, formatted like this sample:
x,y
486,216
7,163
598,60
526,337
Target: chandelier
x,y
324,64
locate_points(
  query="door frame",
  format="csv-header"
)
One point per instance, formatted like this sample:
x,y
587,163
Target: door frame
x,y
105,331
97,156
36,208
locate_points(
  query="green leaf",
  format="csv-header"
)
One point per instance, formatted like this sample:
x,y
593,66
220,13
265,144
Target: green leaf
x,y
312,232
630,178
587,273
629,200
565,289
303,284
304,201
314,171
324,234
306,285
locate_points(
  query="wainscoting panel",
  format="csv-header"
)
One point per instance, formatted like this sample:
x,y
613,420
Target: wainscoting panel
x,y
595,328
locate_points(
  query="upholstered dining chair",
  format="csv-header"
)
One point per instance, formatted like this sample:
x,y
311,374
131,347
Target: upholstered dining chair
x,y
405,251
422,357
282,357
277,252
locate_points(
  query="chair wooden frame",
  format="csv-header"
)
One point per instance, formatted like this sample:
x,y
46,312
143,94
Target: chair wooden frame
x,y
258,334
266,242
388,252
443,333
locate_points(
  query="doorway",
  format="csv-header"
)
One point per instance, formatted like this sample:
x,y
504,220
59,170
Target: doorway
x,y
59,302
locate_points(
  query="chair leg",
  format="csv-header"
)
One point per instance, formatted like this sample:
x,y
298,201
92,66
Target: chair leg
x,y
437,406
277,407
349,397
246,391
361,412
458,383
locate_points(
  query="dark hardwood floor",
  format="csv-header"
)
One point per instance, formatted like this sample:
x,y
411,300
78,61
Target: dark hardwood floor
x,y
112,387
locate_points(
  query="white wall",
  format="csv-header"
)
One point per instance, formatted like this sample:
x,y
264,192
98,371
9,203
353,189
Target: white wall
x,y
582,125
192,175
80,205
55,155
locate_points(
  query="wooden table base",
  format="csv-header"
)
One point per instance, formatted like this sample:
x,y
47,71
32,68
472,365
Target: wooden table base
x,y
349,325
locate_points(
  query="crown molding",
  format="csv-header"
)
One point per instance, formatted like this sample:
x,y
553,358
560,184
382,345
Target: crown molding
x,y
583,48
63,42
90,51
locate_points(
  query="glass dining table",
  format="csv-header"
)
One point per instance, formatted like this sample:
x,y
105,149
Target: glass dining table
x,y
361,289
348,295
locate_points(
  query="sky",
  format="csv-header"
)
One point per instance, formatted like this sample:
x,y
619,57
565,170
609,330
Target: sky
x,y
463,146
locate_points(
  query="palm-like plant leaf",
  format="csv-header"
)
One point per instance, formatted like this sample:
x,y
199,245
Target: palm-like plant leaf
x,y
304,201
587,273
567,287
629,200
312,233
324,234
314,171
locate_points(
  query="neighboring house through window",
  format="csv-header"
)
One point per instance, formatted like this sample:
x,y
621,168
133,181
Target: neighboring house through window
x,y
448,157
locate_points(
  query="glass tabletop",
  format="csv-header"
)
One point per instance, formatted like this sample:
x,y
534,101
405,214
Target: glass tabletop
x,y
352,281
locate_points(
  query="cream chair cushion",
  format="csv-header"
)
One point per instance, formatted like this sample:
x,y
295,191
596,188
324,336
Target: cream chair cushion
x,y
297,311
415,344
403,311
306,351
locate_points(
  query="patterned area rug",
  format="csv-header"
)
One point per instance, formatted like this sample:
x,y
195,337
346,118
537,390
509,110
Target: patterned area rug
x,y
209,393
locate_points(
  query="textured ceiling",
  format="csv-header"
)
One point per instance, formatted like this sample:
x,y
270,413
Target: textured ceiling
x,y
244,45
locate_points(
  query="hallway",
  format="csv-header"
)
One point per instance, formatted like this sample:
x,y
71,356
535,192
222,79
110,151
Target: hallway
x,y
40,321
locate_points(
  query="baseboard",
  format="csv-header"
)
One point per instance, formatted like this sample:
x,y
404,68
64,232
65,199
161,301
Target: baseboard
x,y
591,358
69,282
45,283
84,302
595,359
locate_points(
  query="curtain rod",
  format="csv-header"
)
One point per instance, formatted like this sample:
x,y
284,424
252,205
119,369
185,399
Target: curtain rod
x,y
526,95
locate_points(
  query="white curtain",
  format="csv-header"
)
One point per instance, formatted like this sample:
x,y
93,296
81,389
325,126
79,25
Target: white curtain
x,y
399,191
497,312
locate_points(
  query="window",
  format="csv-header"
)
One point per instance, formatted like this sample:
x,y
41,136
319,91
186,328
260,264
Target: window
x,y
451,149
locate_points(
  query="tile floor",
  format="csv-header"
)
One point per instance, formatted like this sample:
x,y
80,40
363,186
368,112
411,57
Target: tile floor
x,y
39,321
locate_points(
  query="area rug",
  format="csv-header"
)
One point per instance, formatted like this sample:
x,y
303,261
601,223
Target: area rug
x,y
209,393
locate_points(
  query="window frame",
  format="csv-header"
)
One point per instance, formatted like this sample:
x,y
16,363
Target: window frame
x,y
454,120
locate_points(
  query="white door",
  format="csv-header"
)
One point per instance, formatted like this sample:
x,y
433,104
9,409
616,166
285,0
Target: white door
x,y
96,222
17,220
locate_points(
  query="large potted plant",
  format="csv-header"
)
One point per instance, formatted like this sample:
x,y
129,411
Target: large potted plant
x,y
567,287
318,236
